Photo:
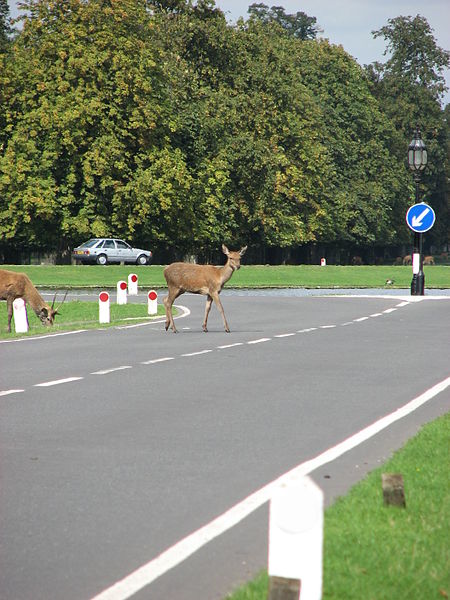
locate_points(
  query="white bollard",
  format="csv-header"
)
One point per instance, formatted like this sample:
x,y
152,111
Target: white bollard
x,y
415,263
323,262
121,292
152,302
20,315
103,308
132,284
296,537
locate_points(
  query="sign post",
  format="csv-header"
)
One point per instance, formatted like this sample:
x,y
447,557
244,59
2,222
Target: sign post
x,y
419,218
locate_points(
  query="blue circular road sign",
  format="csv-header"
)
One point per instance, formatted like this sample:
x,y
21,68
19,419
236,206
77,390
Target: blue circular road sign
x,y
420,217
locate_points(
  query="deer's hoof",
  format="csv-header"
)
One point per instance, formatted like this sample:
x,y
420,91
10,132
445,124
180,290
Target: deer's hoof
x,y
205,329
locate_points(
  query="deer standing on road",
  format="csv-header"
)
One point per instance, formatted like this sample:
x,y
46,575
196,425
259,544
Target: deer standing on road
x,y
18,285
200,279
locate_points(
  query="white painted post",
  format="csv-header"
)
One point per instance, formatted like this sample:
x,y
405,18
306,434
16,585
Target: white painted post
x,y
132,284
103,308
20,315
121,292
323,262
152,302
296,539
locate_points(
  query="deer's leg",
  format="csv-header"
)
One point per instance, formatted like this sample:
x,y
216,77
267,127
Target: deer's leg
x,y
10,313
218,303
168,301
207,309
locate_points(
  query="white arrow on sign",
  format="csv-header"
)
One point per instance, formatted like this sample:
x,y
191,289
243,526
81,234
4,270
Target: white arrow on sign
x,y
417,221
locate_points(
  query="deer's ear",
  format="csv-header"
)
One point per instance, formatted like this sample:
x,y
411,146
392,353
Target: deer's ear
x,y
243,251
225,250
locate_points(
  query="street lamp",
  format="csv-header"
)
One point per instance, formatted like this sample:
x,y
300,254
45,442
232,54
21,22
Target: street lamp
x,y
417,161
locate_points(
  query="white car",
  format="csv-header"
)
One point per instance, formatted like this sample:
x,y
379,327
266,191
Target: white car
x,y
110,250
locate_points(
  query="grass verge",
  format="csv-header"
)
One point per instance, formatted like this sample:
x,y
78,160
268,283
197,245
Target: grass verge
x,y
79,315
254,276
374,552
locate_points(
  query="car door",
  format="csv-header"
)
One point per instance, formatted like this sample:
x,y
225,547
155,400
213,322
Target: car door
x,y
124,251
109,248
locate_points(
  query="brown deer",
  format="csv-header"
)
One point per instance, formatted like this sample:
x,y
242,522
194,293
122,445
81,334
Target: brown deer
x,y
18,285
200,279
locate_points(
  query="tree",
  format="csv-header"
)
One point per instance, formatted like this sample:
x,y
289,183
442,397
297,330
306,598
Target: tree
x,y
409,87
5,25
299,25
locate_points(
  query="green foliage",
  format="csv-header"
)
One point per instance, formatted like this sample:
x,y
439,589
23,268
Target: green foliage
x,y
161,123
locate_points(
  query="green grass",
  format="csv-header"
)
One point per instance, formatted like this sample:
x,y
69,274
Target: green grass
x,y
309,276
376,552
78,315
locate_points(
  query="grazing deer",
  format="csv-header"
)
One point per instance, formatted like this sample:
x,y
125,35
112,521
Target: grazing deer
x,y
18,285
200,279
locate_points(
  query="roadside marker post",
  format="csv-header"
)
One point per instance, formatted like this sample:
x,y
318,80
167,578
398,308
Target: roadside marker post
x,y
323,262
121,292
20,315
132,284
152,302
103,308
296,541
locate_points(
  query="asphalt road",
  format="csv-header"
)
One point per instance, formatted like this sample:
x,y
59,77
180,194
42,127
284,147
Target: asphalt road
x,y
117,444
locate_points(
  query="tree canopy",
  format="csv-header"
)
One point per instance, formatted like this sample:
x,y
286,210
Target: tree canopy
x,y
160,122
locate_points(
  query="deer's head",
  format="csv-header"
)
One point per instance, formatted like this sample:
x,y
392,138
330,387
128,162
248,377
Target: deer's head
x,y
47,313
234,257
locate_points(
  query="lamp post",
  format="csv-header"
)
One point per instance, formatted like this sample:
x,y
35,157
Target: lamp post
x,y
417,161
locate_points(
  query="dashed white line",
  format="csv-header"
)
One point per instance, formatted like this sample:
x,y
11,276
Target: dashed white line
x,y
57,381
197,353
107,371
230,345
8,392
284,335
306,330
157,360
360,319
377,315
327,326
259,341
389,310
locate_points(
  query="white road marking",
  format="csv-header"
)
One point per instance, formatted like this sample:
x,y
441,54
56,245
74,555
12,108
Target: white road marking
x,y
157,360
389,310
347,323
107,371
57,382
8,392
230,345
283,335
402,304
306,330
360,319
196,353
259,341
327,326
377,315
180,551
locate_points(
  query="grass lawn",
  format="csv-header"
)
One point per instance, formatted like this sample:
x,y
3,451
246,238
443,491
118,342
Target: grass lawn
x,y
376,552
309,276
79,315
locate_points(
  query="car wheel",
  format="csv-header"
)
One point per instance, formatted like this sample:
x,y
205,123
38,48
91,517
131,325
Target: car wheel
x,y
142,260
101,259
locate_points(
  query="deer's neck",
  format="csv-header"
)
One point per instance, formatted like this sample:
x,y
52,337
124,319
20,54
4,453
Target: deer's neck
x,y
226,273
33,297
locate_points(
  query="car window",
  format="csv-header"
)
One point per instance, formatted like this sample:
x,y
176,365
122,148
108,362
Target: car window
x,y
100,245
122,245
89,243
108,244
